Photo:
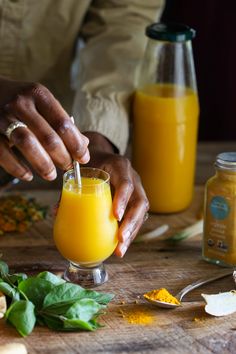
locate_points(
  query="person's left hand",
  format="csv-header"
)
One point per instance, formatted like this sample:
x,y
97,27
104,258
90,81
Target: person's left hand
x,y
130,203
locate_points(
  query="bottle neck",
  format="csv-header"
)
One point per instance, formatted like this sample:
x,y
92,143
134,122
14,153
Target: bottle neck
x,y
168,63
226,175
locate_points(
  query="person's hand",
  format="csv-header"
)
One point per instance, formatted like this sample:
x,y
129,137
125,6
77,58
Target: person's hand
x,y
130,203
50,138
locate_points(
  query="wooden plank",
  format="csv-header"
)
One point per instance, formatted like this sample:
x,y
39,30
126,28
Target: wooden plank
x,y
146,266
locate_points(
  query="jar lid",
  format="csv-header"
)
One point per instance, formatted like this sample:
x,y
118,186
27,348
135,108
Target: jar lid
x,y
226,160
171,32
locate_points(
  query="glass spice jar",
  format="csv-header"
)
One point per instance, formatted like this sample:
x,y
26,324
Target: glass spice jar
x,y
219,235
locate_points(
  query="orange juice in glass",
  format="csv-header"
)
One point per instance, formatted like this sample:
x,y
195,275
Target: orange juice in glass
x,y
85,229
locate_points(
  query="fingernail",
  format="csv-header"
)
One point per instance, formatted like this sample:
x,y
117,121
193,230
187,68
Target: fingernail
x,y
85,158
126,235
86,140
123,249
27,176
51,176
120,214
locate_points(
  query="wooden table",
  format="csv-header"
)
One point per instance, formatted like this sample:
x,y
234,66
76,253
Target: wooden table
x,y
146,266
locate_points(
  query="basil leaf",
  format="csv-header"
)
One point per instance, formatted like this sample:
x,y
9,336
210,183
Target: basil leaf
x,y
84,310
21,315
52,278
36,289
4,270
69,292
16,278
59,308
8,290
96,324
63,293
53,322
60,323
101,298
60,305
75,324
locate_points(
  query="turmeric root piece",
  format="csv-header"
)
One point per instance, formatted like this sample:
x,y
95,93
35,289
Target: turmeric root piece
x,y
13,348
3,304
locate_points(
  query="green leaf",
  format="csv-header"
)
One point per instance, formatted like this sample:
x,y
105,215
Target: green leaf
x,y
96,324
4,270
68,293
188,232
75,324
21,315
52,278
101,298
36,289
58,309
60,323
63,293
59,305
53,322
16,278
8,290
84,310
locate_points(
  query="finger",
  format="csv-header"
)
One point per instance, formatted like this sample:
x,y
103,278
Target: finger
x,y
122,181
26,112
27,143
121,197
129,228
11,164
134,216
75,142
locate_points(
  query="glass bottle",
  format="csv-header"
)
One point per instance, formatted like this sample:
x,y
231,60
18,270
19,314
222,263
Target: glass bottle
x,y
165,118
219,235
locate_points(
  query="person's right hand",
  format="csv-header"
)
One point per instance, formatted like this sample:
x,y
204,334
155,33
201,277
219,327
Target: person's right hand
x,y
50,139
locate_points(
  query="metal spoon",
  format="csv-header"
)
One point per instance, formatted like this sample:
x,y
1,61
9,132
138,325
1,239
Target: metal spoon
x,y
189,288
76,166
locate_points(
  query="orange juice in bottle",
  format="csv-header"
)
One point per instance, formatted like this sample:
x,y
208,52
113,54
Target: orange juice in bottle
x,y
165,119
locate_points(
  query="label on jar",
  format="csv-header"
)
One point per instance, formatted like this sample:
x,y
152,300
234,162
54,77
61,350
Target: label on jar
x,y
219,208
219,228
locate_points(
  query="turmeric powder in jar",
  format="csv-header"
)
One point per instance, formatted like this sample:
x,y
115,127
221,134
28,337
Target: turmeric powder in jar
x,y
219,235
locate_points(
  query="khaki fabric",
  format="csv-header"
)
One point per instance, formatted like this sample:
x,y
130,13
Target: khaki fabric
x,y
38,43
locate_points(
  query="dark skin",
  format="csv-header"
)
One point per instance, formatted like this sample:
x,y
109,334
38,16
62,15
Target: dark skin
x,y
51,140
130,203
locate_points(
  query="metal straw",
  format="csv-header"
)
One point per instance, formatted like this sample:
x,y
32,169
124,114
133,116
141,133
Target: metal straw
x,y
76,167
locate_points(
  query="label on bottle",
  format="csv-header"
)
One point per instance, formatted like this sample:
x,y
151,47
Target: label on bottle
x,y
220,228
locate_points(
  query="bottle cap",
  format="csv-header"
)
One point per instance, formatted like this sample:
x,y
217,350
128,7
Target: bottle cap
x,y
170,32
226,161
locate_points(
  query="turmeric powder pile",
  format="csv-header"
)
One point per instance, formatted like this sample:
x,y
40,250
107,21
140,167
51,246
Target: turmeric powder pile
x,y
137,316
161,295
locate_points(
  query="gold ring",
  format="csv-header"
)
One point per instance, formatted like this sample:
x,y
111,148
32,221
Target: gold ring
x,y
13,126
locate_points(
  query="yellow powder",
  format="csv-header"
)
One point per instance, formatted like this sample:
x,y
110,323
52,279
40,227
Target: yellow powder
x,y
136,316
161,295
199,319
